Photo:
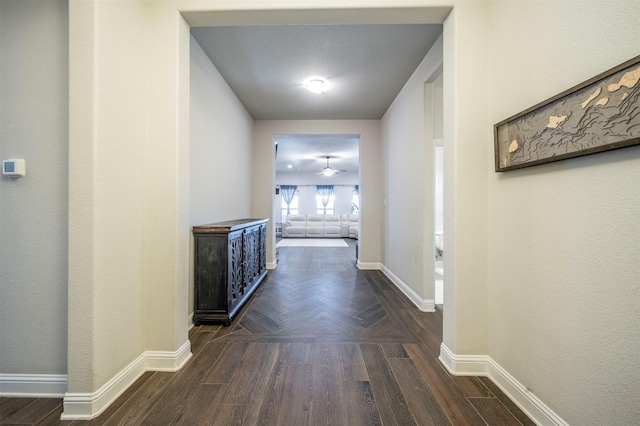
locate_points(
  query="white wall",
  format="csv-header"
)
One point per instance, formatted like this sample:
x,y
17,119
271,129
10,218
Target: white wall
x,y
438,107
294,178
343,199
438,123
307,199
129,193
438,195
564,238
220,151
465,179
107,197
409,188
34,117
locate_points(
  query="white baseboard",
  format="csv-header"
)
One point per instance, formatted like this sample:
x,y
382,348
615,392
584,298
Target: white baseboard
x,y
86,406
425,305
272,265
369,266
190,321
33,385
483,365
168,361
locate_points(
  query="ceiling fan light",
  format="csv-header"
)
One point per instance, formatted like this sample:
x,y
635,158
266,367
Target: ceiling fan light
x,y
328,171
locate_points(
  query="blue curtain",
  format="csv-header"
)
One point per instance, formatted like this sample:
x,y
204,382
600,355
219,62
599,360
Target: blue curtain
x,y
325,192
288,192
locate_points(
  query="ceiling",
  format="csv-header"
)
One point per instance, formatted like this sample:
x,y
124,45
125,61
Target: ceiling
x,y
366,66
307,153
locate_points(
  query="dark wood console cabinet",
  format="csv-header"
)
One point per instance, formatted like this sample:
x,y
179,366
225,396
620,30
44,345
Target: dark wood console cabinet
x,y
230,263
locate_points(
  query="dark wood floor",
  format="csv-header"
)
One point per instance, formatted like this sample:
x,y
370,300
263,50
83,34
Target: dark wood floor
x,y
321,343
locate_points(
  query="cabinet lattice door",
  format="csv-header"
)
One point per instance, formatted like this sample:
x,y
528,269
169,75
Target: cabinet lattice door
x,y
230,263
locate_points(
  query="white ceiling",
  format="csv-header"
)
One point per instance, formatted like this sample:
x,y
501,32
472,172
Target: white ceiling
x,y
366,65
307,153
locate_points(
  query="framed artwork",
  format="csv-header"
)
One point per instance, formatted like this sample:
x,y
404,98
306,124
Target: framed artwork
x,y
601,114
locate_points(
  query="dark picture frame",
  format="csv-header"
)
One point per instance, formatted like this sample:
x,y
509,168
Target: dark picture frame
x,y
601,114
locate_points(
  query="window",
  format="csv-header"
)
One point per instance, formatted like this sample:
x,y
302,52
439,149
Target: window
x,y
324,199
293,207
320,209
355,200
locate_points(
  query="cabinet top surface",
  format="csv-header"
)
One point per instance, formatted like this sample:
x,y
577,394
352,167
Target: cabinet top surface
x,y
227,226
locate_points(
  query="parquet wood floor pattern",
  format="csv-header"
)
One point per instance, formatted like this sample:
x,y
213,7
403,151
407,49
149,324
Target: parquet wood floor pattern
x,y
320,343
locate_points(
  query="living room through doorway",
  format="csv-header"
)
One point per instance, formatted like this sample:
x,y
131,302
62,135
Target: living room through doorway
x,y
317,201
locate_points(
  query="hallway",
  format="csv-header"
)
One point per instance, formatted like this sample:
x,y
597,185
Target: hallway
x,y
319,343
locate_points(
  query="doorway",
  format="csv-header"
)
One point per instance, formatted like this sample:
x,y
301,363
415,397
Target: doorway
x,y
317,179
435,90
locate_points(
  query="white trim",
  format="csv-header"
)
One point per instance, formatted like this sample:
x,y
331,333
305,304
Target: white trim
x,y
484,365
464,365
33,385
190,321
425,305
86,406
369,266
272,265
168,361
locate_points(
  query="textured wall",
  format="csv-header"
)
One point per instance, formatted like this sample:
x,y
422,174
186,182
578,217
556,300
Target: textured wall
x,y
220,151
128,186
409,189
465,179
33,209
106,187
564,238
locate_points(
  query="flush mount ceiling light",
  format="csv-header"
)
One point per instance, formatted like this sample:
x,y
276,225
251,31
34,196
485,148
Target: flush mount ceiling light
x,y
316,85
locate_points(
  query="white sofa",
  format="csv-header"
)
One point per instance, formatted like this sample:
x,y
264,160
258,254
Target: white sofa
x,y
321,226
352,223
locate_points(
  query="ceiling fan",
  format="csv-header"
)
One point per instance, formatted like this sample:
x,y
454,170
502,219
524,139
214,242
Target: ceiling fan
x,y
328,171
